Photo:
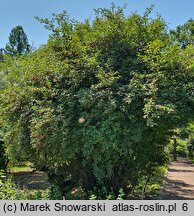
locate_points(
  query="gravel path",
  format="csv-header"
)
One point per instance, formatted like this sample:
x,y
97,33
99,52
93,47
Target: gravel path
x,y
179,182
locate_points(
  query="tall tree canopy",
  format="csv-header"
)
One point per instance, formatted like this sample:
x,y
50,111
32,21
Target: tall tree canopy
x,y
18,42
184,34
99,101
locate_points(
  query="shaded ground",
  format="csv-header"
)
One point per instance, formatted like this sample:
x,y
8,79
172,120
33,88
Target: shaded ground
x,y
178,185
179,182
31,180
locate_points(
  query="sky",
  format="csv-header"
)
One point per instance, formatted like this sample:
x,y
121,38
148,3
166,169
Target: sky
x,y
22,12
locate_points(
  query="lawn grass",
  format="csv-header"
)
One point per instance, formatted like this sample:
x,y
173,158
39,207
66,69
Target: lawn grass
x,y
20,167
23,168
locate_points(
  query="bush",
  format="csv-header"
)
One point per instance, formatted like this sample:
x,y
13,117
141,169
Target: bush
x,y
98,102
8,190
182,148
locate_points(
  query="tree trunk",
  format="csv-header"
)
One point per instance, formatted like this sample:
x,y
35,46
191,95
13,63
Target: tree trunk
x,y
174,150
144,187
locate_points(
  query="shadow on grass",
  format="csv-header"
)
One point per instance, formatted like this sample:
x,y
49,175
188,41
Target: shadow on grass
x,y
31,181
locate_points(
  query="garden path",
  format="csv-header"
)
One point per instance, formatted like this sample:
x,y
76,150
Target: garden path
x,y
179,181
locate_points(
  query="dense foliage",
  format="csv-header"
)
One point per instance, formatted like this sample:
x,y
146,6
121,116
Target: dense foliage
x,y
98,103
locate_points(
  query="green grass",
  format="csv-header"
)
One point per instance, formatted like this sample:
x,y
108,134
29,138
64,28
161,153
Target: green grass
x,y
24,166
20,168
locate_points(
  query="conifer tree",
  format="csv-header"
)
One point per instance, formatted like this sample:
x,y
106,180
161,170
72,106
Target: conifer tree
x,y
18,42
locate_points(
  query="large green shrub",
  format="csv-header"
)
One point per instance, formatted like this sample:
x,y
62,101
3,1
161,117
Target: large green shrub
x,y
98,102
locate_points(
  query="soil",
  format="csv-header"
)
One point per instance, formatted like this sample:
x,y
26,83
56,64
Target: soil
x,y
179,181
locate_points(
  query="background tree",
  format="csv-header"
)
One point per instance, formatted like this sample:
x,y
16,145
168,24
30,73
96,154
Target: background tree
x,y
1,54
18,42
184,34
